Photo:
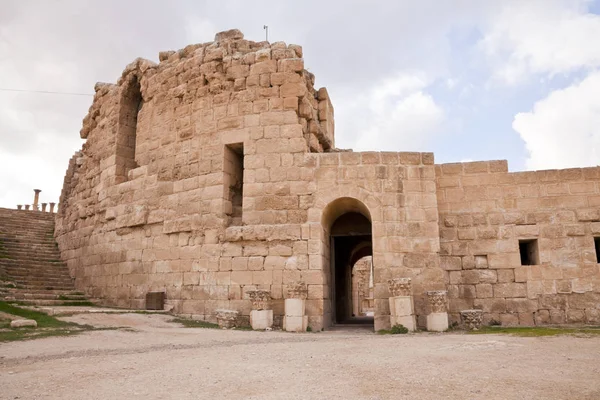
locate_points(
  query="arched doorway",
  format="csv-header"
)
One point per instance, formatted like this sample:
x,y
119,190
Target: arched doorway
x,y
363,301
349,232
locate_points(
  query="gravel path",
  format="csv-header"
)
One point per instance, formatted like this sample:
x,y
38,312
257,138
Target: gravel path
x,y
162,360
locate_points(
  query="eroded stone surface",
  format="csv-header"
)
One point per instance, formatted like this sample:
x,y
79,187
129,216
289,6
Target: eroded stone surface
x,y
472,319
214,173
400,287
437,300
22,323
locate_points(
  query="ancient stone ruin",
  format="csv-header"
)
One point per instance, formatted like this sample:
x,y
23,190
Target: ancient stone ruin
x,y
214,174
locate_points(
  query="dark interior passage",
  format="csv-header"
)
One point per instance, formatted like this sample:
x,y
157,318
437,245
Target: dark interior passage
x,y
350,241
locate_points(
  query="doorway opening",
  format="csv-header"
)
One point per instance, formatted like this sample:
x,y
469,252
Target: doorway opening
x,y
351,254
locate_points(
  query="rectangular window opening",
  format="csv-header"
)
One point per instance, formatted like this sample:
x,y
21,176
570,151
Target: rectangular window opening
x,y
529,252
597,246
234,182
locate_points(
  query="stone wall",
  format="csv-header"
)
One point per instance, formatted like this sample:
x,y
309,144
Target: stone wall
x,y
214,173
210,174
484,213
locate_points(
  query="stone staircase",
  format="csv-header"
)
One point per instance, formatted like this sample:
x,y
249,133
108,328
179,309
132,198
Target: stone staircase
x,y
31,271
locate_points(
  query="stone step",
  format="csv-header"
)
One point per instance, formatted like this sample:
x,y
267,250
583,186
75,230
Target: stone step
x,y
38,274
47,287
37,302
22,295
23,241
45,291
43,259
30,259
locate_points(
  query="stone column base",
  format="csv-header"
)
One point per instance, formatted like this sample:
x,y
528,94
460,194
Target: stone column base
x,y
261,319
437,322
294,319
295,307
402,312
472,319
227,318
295,324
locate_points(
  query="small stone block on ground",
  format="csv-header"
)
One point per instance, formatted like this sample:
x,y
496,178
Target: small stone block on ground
x,y
22,323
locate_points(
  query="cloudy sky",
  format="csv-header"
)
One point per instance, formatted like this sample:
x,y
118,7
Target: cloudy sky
x,y
466,79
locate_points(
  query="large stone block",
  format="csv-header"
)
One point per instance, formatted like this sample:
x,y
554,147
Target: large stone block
x,y
401,306
295,324
261,319
437,322
295,307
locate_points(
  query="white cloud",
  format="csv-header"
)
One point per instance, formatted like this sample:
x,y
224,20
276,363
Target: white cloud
x,y
563,130
541,37
396,115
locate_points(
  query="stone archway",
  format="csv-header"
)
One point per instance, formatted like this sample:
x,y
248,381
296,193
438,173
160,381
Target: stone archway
x,y
348,238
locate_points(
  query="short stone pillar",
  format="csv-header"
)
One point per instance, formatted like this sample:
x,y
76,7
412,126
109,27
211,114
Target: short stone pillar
x,y
261,316
52,207
44,207
27,207
19,206
437,319
402,309
294,319
227,318
36,199
472,319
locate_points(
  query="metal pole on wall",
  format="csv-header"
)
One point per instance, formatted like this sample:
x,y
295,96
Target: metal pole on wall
x,y
266,28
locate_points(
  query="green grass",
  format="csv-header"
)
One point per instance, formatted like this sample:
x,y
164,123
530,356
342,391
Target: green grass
x,y
242,328
190,323
536,331
47,325
43,320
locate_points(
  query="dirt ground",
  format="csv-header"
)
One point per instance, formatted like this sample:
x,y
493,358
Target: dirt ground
x,y
156,359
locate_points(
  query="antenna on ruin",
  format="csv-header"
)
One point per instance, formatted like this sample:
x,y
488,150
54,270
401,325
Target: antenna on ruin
x,y
266,28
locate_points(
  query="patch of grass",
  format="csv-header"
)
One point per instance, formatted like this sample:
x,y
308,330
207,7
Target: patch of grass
x,y
31,333
395,330
47,325
43,320
399,329
190,323
537,331
242,328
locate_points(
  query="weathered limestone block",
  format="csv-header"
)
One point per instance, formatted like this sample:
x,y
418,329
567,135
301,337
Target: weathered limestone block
x,y
295,319
437,319
295,324
261,319
135,215
227,318
22,323
437,300
261,299
472,319
400,287
297,290
401,303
